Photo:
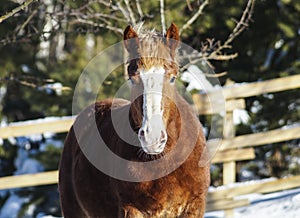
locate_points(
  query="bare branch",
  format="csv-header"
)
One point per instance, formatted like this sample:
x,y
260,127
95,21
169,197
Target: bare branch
x,y
162,16
106,3
131,14
139,9
107,16
89,16
101,25
188,3
16,10
216,74
34,82
212,50
225,57
194,17
239,28
19,30
243,23
124,12
90,3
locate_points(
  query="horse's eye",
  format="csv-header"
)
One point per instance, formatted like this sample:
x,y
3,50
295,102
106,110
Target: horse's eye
x,y
134,78
172,79
132,68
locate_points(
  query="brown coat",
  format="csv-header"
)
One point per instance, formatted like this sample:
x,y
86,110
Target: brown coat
x,y
87,192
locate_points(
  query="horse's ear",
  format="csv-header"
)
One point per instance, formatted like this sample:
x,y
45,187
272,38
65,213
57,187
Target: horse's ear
x,y
172,38
131,40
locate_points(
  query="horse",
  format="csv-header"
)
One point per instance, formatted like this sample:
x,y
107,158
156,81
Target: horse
x,y
158,171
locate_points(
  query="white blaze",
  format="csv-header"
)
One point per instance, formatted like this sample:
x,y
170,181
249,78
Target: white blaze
x,y
152,134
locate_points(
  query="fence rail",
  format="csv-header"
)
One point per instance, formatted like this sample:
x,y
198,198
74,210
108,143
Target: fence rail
x,y
254,89
259,187
29,180
257,139
55,125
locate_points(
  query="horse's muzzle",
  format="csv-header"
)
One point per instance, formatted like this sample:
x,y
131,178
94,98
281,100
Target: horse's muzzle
x,y
153,136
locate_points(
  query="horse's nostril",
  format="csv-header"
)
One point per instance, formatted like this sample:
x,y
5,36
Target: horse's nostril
x,y
163,141
142,133
163,137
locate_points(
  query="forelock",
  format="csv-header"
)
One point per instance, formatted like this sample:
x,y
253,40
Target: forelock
x,y
153,50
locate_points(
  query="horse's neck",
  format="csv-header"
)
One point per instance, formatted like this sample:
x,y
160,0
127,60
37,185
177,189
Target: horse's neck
x,y
174,122
185,119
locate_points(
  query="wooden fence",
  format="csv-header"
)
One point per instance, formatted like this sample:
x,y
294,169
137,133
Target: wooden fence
x,y
232,149
226,198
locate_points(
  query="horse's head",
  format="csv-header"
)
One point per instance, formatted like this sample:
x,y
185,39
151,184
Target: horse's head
x,y
152,70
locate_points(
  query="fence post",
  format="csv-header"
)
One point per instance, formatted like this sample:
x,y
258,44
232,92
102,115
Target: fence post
x,y
228,133
229,168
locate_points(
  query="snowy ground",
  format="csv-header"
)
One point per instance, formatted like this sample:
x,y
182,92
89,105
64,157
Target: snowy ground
x,y
285,204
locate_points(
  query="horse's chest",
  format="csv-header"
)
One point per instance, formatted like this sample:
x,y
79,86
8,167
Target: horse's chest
x,y
154,196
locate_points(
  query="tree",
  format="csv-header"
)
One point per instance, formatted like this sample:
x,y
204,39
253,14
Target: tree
x,y
52,31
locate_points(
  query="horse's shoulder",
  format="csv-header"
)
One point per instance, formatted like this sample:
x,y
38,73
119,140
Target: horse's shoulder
x,y
96,113
100,108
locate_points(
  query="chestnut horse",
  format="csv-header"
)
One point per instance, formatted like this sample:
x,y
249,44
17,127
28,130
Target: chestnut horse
x,y
160,174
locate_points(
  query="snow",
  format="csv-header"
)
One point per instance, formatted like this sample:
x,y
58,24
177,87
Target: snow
x,y
43,215
55,143
33,137
196,79
274,205
16,201
42,120
240,116
12,206
289,126
240,184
